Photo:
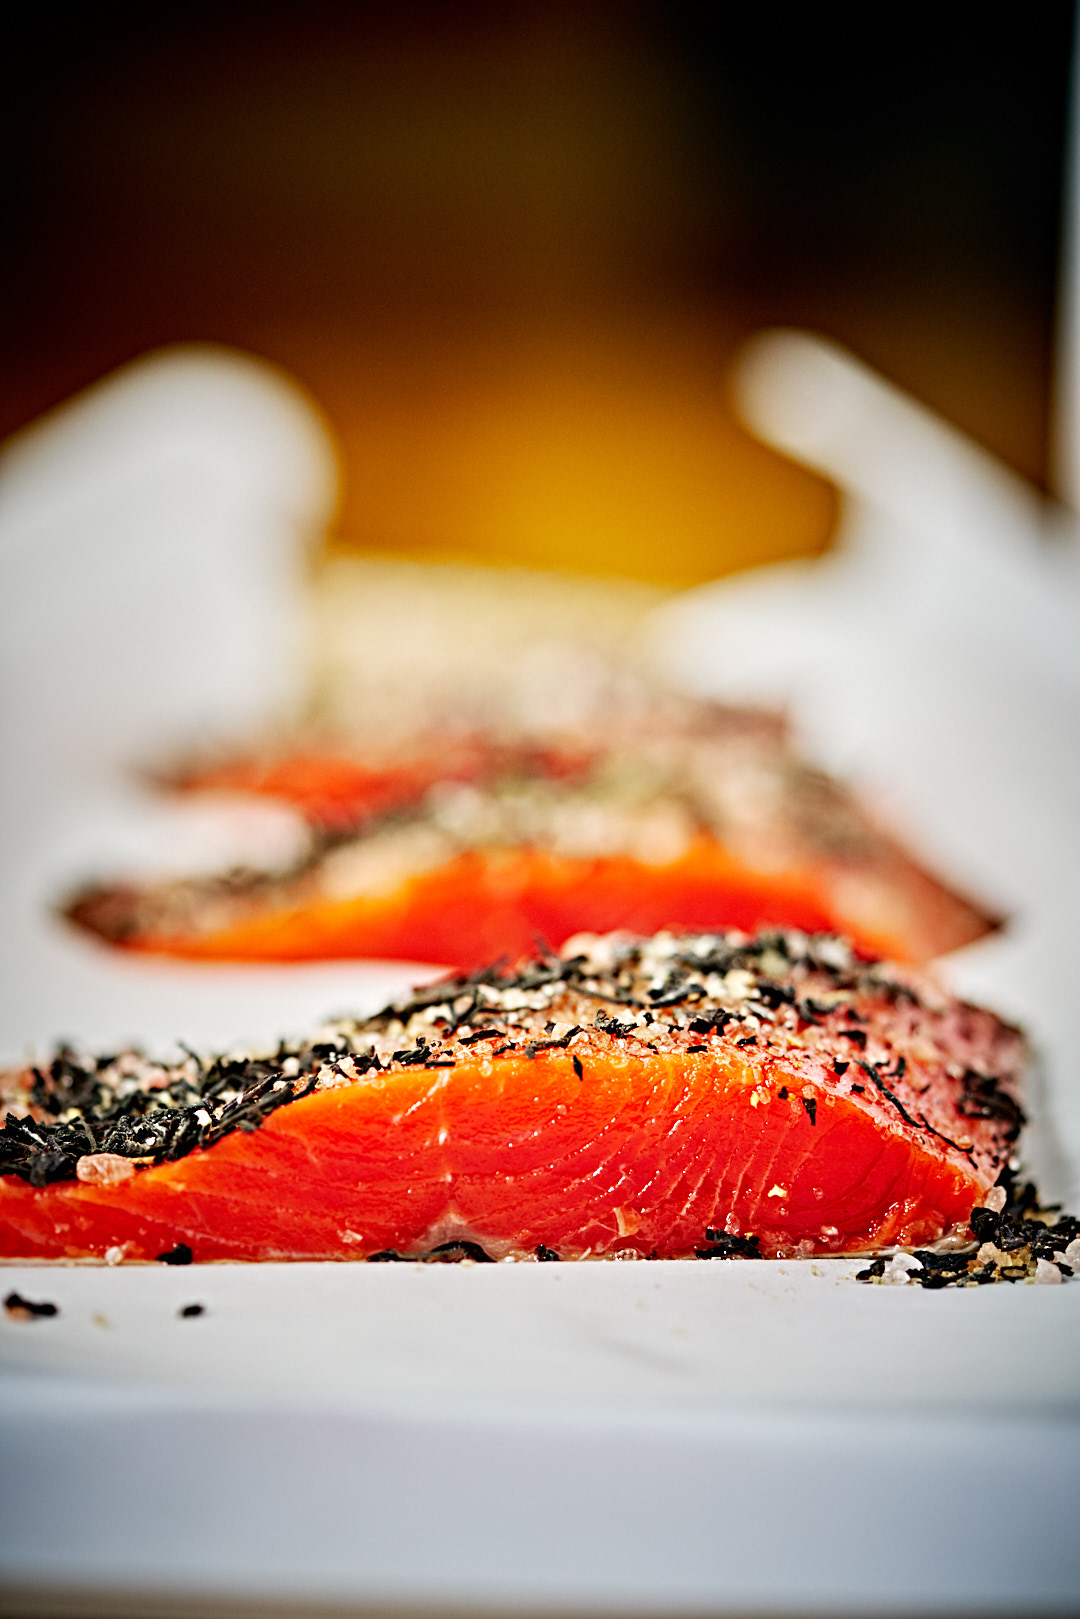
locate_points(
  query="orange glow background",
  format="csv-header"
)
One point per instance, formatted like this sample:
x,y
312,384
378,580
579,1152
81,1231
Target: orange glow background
x,y
512,249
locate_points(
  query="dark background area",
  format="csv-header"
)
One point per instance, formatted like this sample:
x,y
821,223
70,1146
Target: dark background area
x,y
513,248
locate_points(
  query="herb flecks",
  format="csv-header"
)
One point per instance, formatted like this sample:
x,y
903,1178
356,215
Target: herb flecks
x,y
1016,1240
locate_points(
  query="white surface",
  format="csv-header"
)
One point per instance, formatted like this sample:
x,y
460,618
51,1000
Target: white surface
x,y
714,1437
624,1508
702,1335
689,1438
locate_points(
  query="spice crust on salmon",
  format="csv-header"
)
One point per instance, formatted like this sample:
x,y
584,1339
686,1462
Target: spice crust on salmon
x,y
663,1097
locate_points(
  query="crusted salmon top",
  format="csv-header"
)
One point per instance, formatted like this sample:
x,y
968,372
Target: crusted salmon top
x,y
794,1019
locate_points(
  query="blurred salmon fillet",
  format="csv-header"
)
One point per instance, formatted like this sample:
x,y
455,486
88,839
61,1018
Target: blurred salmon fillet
x,y
461,848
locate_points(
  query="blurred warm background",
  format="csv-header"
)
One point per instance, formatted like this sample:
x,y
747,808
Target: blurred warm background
x,y
512,248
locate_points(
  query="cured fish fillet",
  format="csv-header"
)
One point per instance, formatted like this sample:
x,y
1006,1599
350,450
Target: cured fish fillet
x,y
707,1094
457,853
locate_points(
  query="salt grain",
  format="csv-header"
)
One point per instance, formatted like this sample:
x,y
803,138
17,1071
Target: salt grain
x,y
104,1169
898,1271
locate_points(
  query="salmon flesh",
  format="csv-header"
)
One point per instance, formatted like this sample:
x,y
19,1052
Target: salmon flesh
x,y
455,853
679,1095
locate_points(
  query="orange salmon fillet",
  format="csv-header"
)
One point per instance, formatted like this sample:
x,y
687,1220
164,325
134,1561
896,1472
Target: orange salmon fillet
x,y
467,850
700,1094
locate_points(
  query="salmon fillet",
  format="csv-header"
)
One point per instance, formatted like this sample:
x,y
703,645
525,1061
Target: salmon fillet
x,y
683,1094
460,851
